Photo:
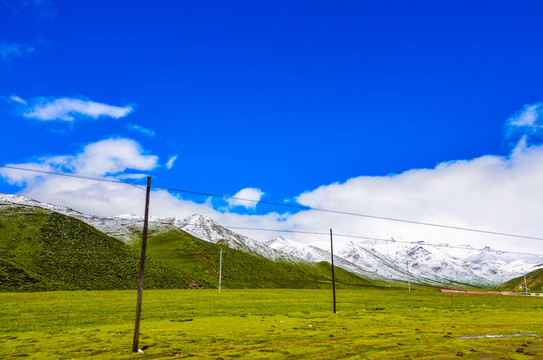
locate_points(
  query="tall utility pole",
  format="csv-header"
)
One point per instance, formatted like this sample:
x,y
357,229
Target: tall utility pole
x,y
142,268
525,285
333,276
220,271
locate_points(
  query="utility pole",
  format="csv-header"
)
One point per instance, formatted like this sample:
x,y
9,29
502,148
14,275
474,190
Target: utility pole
x,y
142,267
333,276
408,277
220,271
525,285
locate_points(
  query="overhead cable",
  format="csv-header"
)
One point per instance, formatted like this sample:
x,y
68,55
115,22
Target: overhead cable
x,y
385,240
293,206
116,181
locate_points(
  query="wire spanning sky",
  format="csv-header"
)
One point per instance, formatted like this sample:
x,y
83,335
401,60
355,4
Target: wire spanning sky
x,y
423,111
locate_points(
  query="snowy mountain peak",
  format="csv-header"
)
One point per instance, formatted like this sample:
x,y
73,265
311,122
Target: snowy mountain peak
x,y
203,227
281,242
207,229
308,252
198,219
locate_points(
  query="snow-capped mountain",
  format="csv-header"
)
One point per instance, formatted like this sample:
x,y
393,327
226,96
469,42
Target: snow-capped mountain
x,y
126,228
414,262
440,265
378,260
424,266
205,228
314,254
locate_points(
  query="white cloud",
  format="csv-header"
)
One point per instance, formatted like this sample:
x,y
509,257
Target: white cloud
x,y
67,109
527,124
17,99
107,157
170,162
527,116
10,51
141,130
252,194
113,156
495,193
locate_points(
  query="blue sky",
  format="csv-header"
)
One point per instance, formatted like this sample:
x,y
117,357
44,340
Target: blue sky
x,y
278,98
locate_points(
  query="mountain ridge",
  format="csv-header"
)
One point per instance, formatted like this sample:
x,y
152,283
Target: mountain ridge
x,y
44,250
379,261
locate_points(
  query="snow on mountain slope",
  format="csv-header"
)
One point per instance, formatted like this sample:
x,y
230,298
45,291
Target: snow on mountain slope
x,y
442,264
308,252
314,254
425,264
205,228
126,228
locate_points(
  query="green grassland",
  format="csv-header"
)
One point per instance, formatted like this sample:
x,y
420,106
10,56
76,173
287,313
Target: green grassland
x,y
287,314
371,323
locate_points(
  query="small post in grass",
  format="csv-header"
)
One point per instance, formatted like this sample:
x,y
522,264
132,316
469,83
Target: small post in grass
x,y
220,271
333,276
142,268
408,277
68,316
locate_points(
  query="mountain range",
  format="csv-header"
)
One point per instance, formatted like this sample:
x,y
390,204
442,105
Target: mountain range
x,y
378,261
43,250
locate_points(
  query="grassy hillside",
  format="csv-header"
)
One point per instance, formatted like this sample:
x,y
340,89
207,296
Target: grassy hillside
x,y
200,260
43,250
534,280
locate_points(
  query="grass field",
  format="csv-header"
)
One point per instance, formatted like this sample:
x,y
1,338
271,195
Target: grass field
x,y
388,323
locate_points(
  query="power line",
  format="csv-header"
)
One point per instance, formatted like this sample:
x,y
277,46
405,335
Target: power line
x,y
340,235
385,240
304,207
71,176
327,234
293,206
359,237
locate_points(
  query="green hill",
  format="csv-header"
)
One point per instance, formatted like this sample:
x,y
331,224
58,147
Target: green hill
x,y
534,280
44,250
200,260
